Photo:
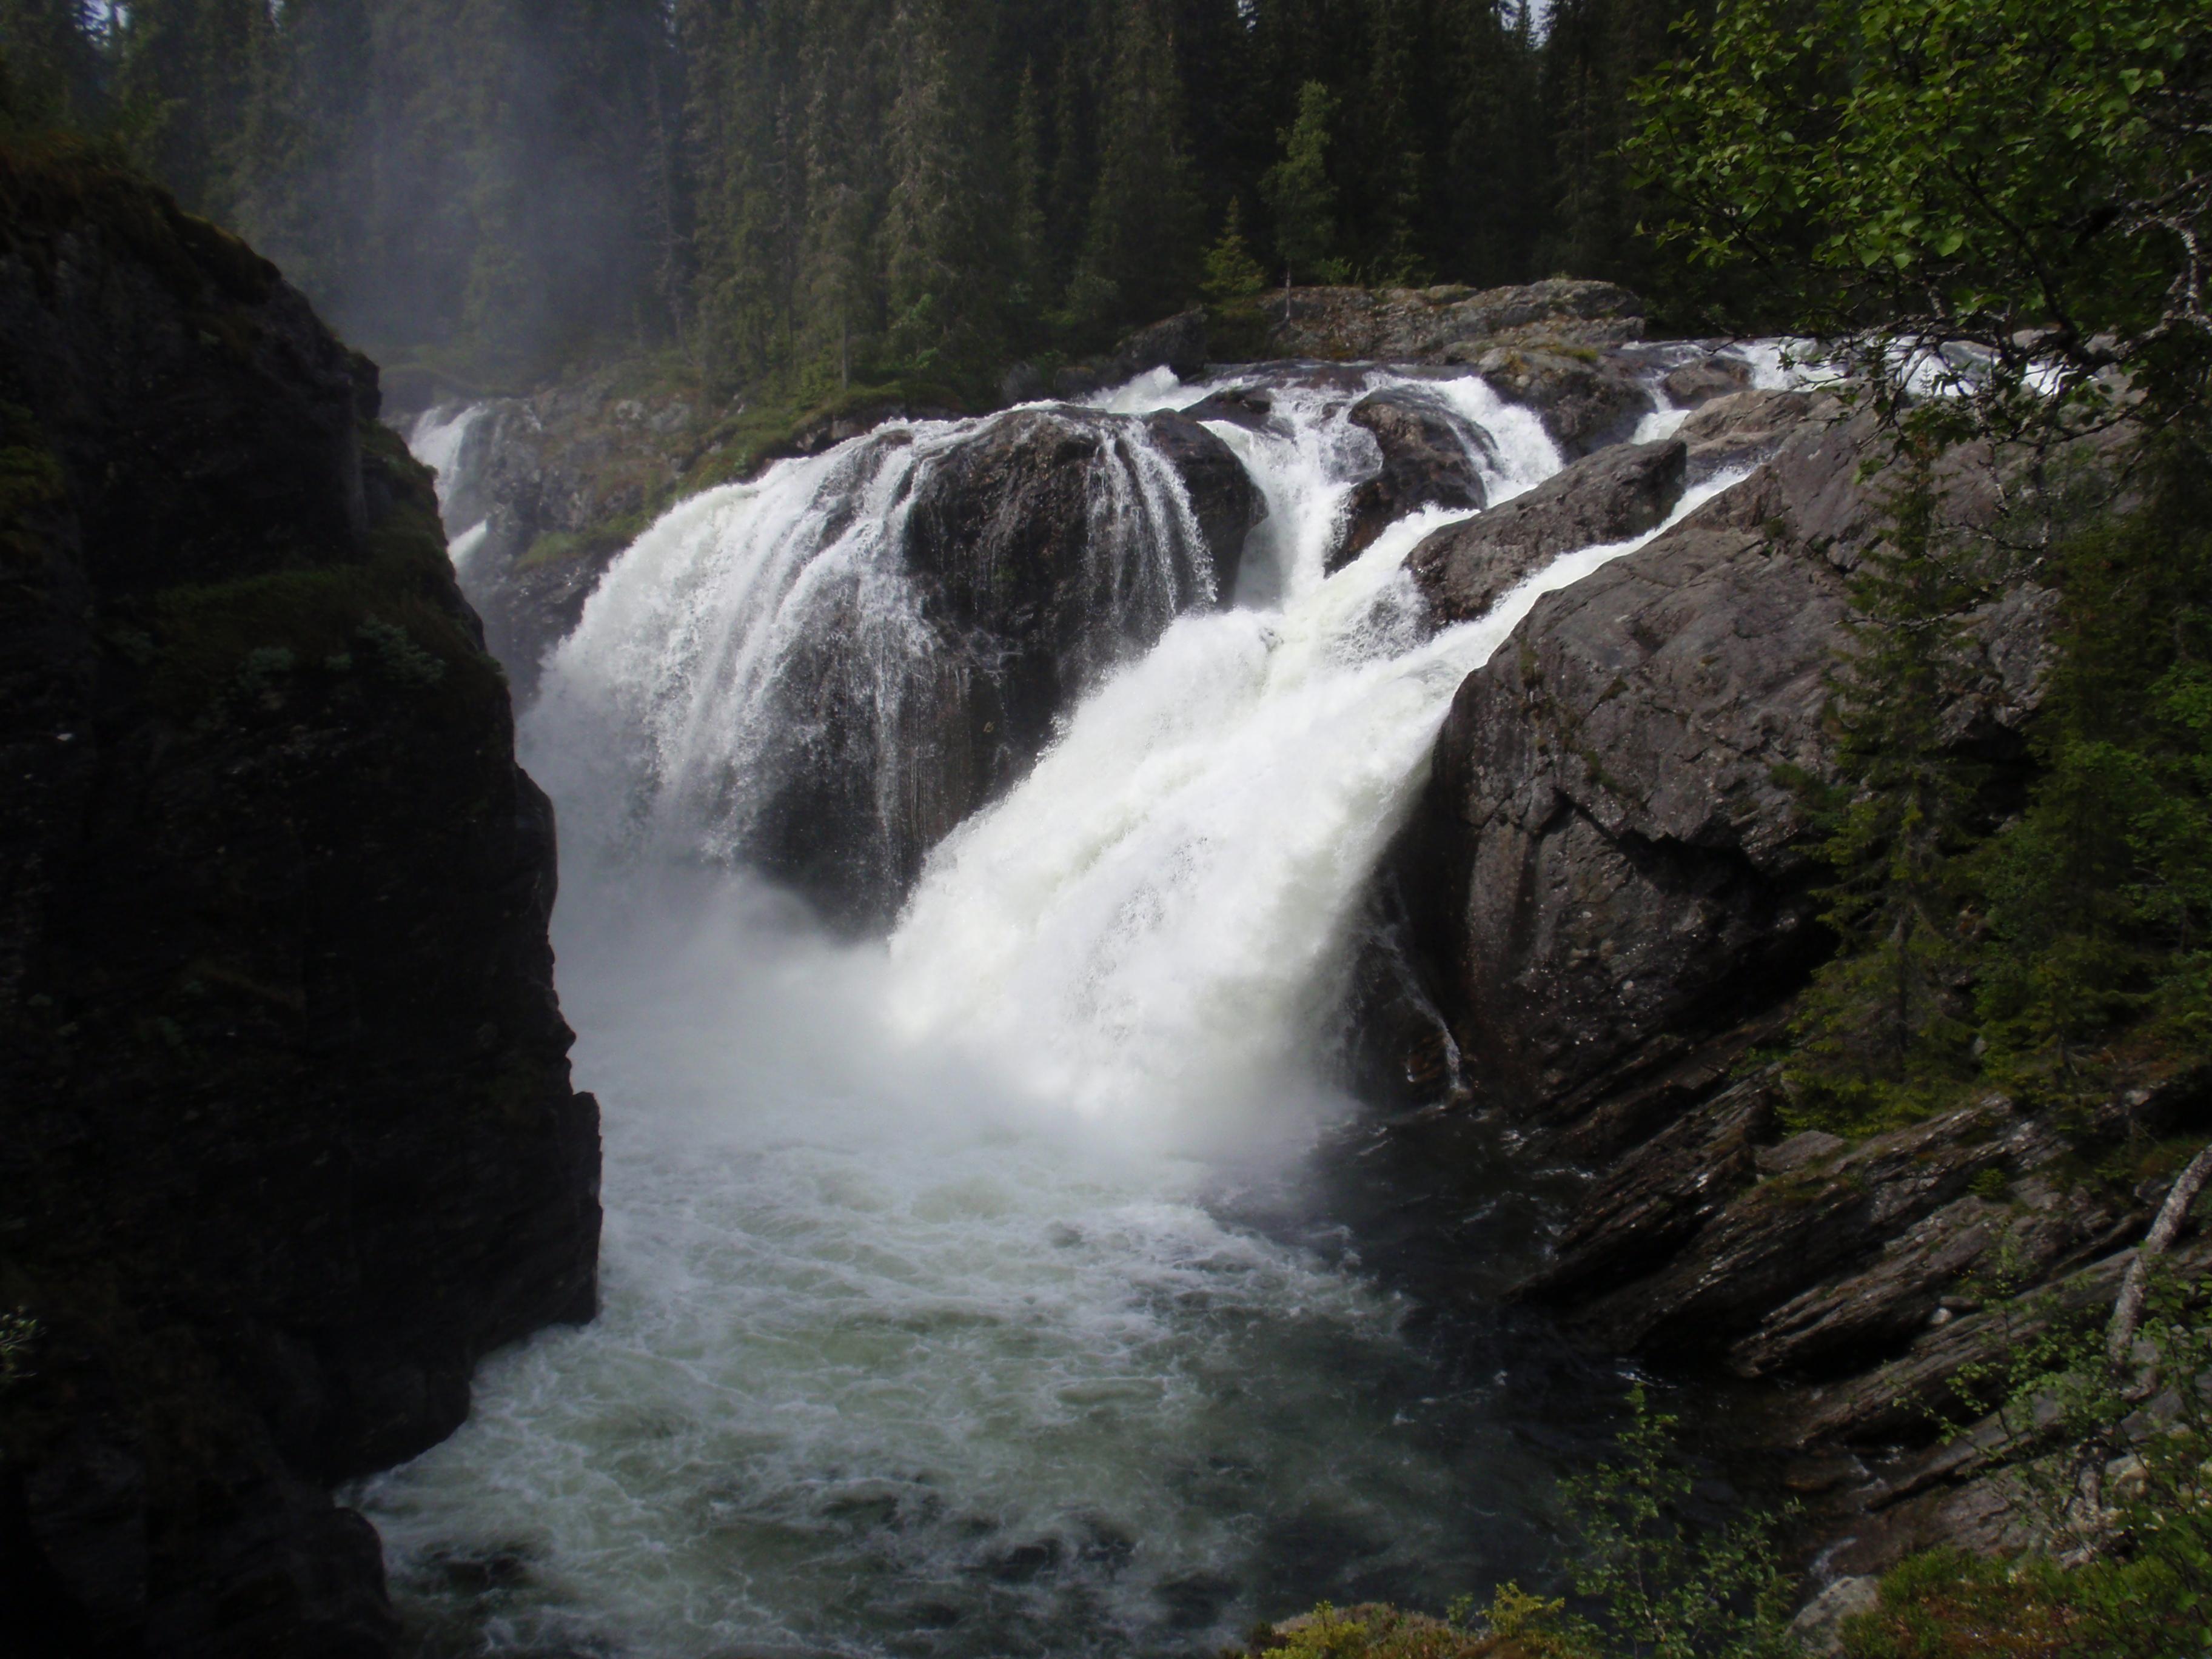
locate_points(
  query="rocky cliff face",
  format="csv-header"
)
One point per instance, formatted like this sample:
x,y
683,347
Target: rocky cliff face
x,y
289,1136
1607,888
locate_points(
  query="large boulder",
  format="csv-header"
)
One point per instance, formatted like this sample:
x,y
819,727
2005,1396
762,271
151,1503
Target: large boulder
x,y
1042,550
1615,864
288,1140
1463,568
1586,399
1429,459
1609,867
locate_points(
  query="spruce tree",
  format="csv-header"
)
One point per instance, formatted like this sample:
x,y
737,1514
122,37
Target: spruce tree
x,y
52,53
1231,272
1300,193
1141,253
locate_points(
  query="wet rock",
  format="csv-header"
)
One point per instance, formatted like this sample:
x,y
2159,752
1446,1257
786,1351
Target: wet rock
x,y
1177,344
1610,865
1699,383
1227,503
1743,428
1812,1147
1585,398
1463,568
1656,1200
1035,572
1024,383
1248,407
287,1129
1904,1399
1746,1266
1429,459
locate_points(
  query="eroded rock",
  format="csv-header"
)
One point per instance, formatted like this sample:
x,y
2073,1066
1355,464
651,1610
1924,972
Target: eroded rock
x,y
1463,568
1429,459
1448,324
1038,560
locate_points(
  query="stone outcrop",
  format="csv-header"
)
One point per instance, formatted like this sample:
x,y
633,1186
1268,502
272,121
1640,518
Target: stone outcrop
x,y
1428,460
1609,868
1585,397
289,1140
1463,568
1555,346
1449,324
1612,864
1033,576
1607,887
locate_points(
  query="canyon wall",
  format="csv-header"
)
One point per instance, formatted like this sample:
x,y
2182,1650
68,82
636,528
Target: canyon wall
x,y
290,1138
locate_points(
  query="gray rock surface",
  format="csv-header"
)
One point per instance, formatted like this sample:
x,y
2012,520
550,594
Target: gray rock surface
x,y
1429,459
1026,609
1445,324
1695,384
1612,863
287,1137
1463,568
1587,399
1819,1625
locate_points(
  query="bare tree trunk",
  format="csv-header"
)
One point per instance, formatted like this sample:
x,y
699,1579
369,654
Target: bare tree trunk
x,y
2127,1310
2127,1320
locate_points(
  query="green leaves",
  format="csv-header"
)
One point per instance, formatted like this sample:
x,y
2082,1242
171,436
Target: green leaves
x,y
1961,170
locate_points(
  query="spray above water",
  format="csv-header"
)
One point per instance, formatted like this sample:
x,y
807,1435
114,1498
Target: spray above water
x,y
931,1327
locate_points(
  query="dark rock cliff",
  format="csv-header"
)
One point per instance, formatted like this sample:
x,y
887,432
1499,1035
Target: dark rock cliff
x,y
289,1140
1607,891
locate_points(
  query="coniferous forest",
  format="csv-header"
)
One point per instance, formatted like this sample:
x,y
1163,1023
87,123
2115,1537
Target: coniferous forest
x,y
1786,981
802,193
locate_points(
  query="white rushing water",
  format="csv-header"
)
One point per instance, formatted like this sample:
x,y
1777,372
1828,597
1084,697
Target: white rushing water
x,y
955,1297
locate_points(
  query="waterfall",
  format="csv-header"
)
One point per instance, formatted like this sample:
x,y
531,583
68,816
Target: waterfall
x,y
794,672
447,438
961,1295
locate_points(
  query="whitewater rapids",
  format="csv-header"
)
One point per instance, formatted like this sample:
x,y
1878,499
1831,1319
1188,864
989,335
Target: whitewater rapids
x,y
962,1291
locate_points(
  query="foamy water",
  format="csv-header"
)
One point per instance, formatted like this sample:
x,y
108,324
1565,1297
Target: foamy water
x,y
962,1291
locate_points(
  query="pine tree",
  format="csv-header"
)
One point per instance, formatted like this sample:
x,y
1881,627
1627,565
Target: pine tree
x,y
1031,260
1231,272
51,49
942,275
838,284
184,80
1299,191
1886,1021
1140,255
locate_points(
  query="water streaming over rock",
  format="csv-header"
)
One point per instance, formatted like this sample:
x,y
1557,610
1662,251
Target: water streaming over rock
x,y
961,1297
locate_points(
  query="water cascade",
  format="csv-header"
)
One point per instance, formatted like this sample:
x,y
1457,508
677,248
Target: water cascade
x,y
961,1297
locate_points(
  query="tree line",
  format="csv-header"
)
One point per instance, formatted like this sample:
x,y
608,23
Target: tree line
x,y
806,191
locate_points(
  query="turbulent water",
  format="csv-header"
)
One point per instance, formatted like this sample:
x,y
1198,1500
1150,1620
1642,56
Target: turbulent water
x,y
966,1292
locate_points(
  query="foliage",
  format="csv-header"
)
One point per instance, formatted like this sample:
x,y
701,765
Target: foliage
x,y
2112,1461
1661,1586
1882,1032
1298,188
1651,1583
2029,180
804,196
1231,272
2043,928
1372,1631
1993,211
19,1336
2101,894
